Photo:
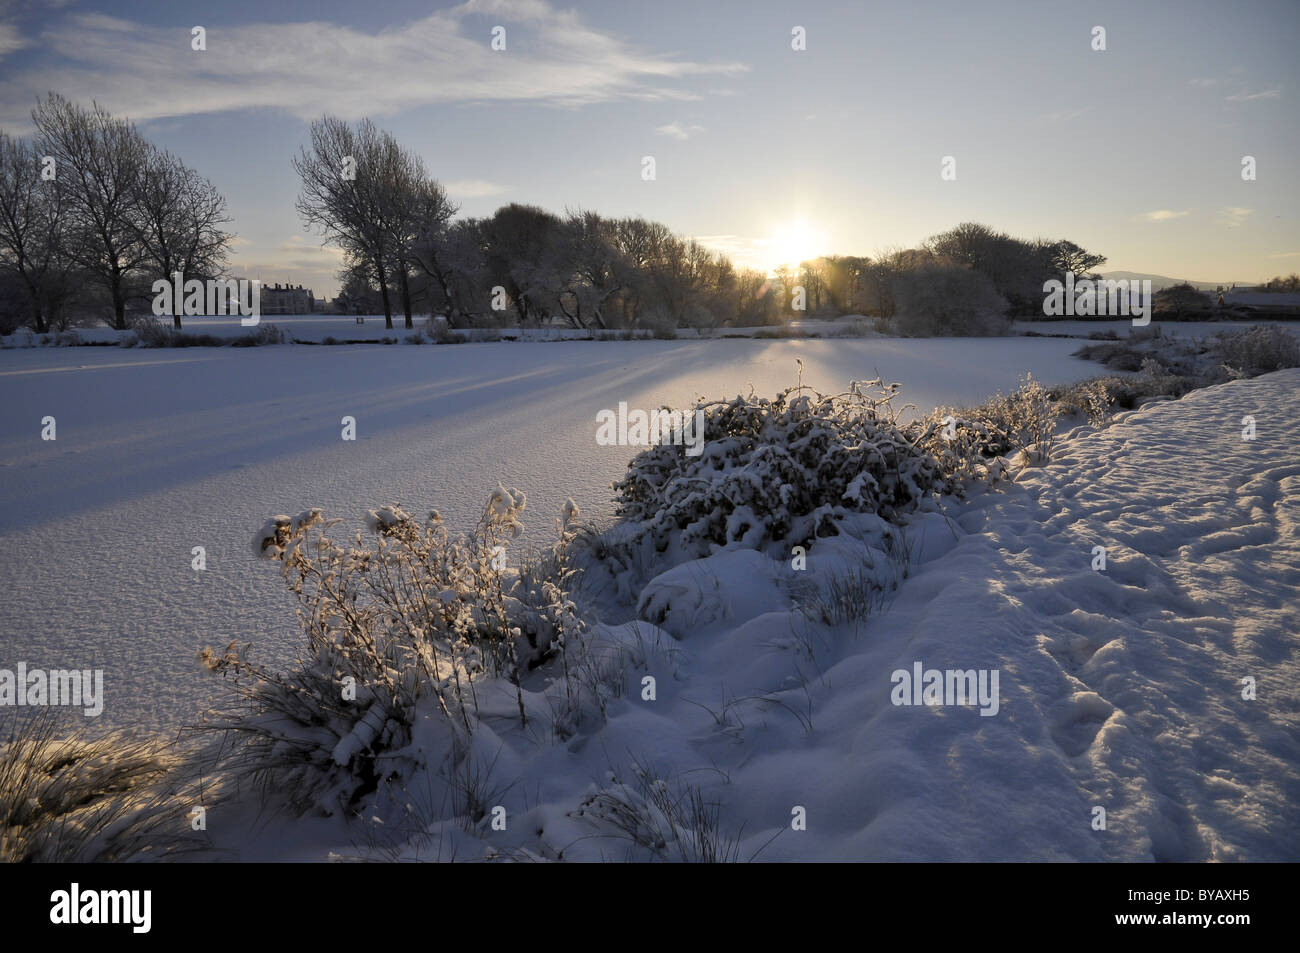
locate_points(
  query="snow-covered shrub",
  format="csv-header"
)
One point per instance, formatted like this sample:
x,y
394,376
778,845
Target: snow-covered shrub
x,y
1156,380
154,332
945,298
399,627
660,821
266,333
442,334
1258,349
787,469
1090,399
68,338
970,442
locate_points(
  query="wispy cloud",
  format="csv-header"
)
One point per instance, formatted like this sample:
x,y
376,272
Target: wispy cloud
x,y
744,252
1202,83
1163,215
472,188
146,72
1247,97
10,39
299,258
1286,254
677,131
1233,216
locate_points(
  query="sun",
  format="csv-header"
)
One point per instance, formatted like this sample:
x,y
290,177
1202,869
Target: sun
x,y
790,243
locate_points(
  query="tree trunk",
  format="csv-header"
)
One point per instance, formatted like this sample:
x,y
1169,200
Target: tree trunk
x,y
406,298
383,293
119,307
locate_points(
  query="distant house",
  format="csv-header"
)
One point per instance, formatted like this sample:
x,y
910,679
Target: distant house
x,y
287,299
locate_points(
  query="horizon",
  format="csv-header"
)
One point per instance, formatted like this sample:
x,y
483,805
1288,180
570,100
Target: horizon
x,y
834,172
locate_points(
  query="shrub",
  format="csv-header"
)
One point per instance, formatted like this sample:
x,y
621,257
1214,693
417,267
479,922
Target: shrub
x,y
788,469
155,333
445,335
407,622
1090,399
265,334
1257,349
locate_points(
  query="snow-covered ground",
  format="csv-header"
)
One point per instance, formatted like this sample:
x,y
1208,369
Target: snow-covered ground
x,y
1181,329
1120,689
159,451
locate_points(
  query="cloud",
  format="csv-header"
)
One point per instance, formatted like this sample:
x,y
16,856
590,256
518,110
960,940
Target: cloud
x,y
743,252
1287,254
1163,215
147,72
677,131
309,249
1233,216
472,188
1247,97
299,259
10,39
1203,83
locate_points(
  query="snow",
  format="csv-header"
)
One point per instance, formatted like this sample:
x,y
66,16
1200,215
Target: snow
x,y
1184,330
159,451
1120,688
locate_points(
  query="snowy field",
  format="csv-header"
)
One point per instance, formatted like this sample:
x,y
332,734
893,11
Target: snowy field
x,y
159,451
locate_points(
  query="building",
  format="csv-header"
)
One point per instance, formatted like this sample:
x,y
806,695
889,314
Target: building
x,y
287,299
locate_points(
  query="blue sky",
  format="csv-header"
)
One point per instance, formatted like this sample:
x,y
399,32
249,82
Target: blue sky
x,y
761,151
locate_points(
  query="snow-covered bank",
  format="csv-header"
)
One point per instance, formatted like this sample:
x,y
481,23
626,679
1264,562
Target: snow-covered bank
x,y
1158,688
1120,688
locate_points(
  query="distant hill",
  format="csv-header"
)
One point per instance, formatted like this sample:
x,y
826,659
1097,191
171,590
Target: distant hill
x,y
1164,281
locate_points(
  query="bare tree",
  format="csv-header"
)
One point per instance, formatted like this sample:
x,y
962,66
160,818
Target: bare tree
x,y
346,194
179,219
99,161
31,216
422,231
453,258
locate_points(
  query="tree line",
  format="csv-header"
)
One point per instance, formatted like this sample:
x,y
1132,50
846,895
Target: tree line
x,y
91,213
405,250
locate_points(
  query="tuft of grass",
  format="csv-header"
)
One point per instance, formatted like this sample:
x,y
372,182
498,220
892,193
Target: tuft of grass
x,y
78,797
673,822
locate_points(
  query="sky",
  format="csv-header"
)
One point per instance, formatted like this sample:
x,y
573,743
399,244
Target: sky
x,y
760,150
